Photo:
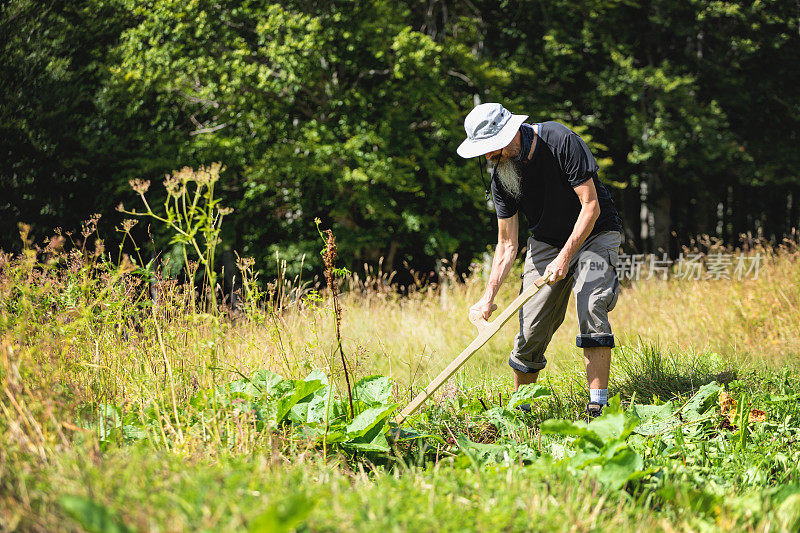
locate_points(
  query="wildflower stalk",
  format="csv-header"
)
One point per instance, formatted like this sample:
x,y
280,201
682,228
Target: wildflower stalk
x,y
194,217
329,258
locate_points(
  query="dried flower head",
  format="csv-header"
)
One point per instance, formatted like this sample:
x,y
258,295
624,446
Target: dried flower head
x,y
24,231
75,261
129,223
140,186
174,185
55,244
244,264
90,226
329,258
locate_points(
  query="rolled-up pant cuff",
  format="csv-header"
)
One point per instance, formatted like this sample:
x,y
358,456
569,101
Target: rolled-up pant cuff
x,y
595,340
526,367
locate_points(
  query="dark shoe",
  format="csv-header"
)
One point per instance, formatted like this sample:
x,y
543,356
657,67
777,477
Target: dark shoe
x,y
593,410
524,407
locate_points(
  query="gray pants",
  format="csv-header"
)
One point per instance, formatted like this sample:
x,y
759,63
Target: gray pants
x,y
592,276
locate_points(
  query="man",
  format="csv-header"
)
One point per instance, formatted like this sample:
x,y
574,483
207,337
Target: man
x,y
548,173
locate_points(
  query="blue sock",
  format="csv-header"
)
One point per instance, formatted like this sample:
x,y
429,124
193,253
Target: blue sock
x,y
598,396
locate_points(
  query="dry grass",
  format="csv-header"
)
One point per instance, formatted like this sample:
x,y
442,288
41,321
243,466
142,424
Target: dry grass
x,y
120,353
751,320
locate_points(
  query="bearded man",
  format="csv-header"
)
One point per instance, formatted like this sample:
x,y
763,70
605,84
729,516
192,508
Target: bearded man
x,y
546,171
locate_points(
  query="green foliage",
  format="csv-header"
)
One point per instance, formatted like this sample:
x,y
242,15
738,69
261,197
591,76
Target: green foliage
x,y
284,516
340,115
92,516
601,448
658,420
306,406
352,112
373,390
527,393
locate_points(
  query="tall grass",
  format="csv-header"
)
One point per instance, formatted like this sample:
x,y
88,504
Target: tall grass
x,y
95,332
79,333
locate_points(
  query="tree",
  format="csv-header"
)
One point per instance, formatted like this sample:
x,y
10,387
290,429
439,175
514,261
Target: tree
x,y
341,112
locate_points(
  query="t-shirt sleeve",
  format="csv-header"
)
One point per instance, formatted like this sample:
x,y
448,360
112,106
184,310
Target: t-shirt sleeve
x,y
576,160
504,204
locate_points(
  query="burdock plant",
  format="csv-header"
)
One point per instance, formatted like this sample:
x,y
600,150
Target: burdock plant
x,y
192,214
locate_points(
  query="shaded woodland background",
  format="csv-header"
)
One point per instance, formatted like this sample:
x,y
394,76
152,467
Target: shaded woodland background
x,y
351,111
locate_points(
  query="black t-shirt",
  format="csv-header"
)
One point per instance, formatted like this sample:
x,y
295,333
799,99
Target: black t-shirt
x,y
560,162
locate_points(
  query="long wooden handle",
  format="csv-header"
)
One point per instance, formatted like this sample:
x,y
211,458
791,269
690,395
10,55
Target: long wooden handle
x,y
485,332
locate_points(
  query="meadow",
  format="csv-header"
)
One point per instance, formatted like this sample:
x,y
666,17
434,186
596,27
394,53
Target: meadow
x,y
129,403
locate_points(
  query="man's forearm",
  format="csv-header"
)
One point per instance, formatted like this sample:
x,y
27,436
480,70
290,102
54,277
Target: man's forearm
x,y
583,227
504,256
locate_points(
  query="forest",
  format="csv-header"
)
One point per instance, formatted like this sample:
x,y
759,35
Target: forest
x,y
350,112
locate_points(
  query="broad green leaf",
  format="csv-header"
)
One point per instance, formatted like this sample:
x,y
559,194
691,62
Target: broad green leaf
x,y
616,471
701,402
655,419
373,389
93,516
299,391
365,421
312,408
108,420
264,380
528,393
403,434
611,426
130,432
503,418
373,440
103,418
783,398
334,436
653,413
283,516
568,428
201,399
658,427
317,375
317,405
298,414
242,388
267,412
480,454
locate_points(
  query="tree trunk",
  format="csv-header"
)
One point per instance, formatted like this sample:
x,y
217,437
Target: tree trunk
x,y
659,203
740,219
631,205
390,256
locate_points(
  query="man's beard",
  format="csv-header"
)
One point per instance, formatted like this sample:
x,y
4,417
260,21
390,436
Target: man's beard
x,y
510,178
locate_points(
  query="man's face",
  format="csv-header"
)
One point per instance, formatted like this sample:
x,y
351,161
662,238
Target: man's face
x,y
509,151
508,171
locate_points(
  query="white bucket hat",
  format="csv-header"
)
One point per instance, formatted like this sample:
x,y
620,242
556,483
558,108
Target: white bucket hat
x,y
489,127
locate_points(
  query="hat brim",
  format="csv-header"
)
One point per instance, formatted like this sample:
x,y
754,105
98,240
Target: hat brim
x,y
470,148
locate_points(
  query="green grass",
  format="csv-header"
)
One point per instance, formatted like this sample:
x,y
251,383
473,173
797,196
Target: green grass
x,y
117,414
